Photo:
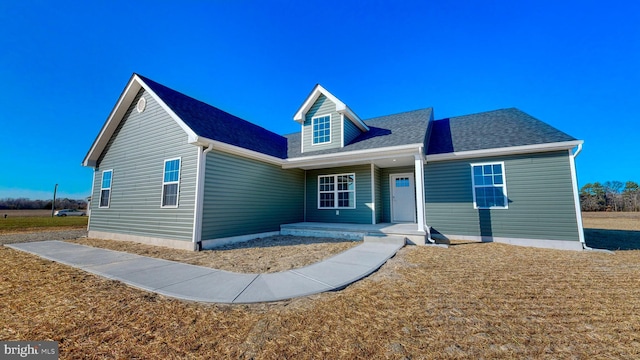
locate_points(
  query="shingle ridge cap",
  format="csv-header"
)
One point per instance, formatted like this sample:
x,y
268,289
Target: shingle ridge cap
x,y
483,113
430,108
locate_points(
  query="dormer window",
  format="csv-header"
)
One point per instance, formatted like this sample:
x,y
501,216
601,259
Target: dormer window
x,y
321,129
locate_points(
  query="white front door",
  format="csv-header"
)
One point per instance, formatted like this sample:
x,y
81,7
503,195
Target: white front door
x,y
403,198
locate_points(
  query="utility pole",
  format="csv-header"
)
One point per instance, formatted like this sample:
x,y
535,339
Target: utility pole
x,y
53,204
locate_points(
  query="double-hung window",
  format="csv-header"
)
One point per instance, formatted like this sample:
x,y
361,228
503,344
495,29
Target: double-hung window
x,y
171,183
489,186
337,191
105,188
321,129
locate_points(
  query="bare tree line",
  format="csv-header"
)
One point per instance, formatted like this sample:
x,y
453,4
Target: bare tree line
x,y
28,204
610,196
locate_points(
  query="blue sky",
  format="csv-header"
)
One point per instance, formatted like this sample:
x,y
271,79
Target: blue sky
x,y
63,65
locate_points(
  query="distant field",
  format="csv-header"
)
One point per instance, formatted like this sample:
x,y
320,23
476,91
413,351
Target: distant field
x,y
35,220
25,213
612,220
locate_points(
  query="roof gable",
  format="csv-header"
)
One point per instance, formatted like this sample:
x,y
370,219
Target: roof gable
x,y
195,117
341,107
215,124
491,130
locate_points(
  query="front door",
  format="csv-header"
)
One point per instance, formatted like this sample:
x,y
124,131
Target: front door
x,y
403,198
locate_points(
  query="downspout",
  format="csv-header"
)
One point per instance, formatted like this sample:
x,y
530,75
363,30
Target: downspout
x,y
426,217
419,184
576,196
200,177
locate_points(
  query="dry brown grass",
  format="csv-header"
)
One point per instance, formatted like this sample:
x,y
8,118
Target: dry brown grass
x,y
272,254
612,220
490,301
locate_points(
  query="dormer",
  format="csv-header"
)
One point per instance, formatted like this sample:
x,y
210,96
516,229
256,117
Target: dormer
x,y
327,123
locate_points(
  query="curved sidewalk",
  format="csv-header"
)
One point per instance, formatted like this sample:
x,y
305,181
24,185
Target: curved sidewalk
x,y
197,283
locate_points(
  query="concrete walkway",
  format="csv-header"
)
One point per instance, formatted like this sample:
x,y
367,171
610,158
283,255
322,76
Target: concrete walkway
x,y
197,283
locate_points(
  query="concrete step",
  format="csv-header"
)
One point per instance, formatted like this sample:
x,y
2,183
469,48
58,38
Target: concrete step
x,y
385,239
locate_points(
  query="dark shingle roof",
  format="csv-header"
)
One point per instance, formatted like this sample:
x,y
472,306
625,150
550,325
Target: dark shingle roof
x,y
487,130
492,129
391,130
215,124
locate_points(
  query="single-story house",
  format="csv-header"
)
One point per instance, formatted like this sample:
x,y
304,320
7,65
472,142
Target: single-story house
x,y
174,171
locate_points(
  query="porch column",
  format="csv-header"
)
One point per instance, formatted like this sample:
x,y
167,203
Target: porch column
x,y
419,174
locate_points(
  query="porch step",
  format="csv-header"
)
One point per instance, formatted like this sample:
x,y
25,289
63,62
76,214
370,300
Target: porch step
x,y
385,239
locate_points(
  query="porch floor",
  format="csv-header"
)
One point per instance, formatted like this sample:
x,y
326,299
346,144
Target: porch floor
x,y
356,231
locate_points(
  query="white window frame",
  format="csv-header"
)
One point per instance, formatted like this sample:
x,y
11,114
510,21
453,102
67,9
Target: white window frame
x,y
164,183
102,188
335,191
313,120
503,185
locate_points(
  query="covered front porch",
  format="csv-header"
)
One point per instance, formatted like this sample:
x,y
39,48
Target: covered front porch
x,y
408,231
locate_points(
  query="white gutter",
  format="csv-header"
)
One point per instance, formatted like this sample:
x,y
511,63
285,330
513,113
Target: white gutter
x,y
510,150
575,153
576,195
236,150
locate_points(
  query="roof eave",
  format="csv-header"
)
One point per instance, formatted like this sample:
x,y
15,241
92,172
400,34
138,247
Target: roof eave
x,y
338,159
355,119
236,150
511,150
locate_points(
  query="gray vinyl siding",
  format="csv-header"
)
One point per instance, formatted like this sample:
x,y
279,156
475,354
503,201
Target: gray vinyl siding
x,y
351,131
378,191
136,153
540,197
386,190
244,196
360,215
321,107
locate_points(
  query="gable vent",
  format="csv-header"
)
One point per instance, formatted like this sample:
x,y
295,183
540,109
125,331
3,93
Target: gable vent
x,y
142,103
